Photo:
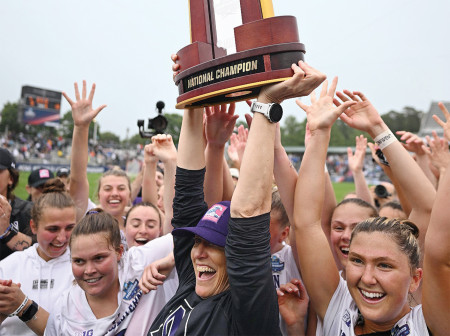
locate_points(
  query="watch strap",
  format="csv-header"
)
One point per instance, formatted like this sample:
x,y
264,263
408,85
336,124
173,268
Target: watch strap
x,y
30,312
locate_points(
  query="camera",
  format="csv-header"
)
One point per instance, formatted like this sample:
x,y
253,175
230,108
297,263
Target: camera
x,y
381,191
156,125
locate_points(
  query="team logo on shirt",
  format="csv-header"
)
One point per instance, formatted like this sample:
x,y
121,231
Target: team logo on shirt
x,y
130,289
346,318
277,264
43,283
401,331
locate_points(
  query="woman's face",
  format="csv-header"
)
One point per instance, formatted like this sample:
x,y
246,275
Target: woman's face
x,y
142,226
95,265
114,194
53,231
210,268
379,278
5,181
344,219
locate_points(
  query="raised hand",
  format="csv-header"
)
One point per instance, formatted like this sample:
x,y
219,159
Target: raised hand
x,y
302,83
445,125
438,151
175,66
322,113
412,142
362,115
219,124
356,161
232,150
163,147
149,155
82,111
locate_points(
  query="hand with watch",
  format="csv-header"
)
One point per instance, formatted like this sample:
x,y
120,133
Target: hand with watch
x,y
13,302
304,80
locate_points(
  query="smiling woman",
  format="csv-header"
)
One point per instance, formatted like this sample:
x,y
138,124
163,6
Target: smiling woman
x,y
106,294
43,270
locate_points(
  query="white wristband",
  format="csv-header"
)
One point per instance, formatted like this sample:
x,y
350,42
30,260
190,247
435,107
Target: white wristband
x,y
384,139
17,311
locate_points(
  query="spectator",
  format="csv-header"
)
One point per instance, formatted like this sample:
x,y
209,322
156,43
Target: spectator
x,y
36,181
15,230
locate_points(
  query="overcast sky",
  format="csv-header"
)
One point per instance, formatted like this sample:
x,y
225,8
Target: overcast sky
x,y
395,51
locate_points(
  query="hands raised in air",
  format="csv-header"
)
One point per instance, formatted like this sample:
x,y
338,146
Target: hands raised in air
x,y
322,113
82,110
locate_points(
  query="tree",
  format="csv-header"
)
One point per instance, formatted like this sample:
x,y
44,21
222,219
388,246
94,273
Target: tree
x,y
406,120
9,119
173,126
293,132
136,139
109,138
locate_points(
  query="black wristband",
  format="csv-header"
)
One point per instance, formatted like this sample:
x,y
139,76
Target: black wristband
x,y
10,236
29,313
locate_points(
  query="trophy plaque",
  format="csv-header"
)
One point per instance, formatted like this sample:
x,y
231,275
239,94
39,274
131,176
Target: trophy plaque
x,y
266,47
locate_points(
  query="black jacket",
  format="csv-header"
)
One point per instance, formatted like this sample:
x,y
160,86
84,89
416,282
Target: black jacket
x,y
249,306
20,217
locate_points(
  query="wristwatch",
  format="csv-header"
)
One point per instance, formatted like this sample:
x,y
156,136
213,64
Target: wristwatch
x,y
273,112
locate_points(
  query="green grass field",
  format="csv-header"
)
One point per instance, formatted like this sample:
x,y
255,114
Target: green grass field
x,y
22,192
340,189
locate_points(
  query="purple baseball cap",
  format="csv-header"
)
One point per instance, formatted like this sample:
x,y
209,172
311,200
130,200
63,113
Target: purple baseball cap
x,y
213,227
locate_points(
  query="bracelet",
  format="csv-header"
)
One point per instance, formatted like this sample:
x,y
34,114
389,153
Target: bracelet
x,y
5,240
30,313
23,304
6,232
384,139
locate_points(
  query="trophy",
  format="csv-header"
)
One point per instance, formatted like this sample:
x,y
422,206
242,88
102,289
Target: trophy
x,y
266,47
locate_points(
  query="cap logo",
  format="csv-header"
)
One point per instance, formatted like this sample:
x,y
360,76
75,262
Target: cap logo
x,y
214,213
44,173
13,165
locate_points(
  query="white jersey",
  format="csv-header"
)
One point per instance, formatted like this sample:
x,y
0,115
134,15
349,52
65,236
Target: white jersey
x,y
342,315
43,282
73,315
284,269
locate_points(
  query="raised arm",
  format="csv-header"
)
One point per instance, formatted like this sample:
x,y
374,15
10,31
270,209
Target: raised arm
x,y
136,185
436,282
356,165
149,187
312,244
248,249
164,149
438,153
421,193
413,143
82,114
219,125
387,170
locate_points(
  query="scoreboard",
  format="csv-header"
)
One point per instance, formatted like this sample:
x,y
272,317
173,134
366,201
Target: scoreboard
x,y
39,106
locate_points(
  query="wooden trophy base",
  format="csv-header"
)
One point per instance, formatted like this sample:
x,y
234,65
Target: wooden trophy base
x,y
266,49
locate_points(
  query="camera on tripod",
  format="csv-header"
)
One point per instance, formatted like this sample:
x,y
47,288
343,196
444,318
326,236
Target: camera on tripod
x,y
156,125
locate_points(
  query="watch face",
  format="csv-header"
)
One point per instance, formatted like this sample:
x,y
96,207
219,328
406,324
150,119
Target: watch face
x,y
276,112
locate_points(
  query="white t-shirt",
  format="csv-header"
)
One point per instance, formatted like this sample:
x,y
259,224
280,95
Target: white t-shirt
x,y
73,315
43,282
284,269
342,315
